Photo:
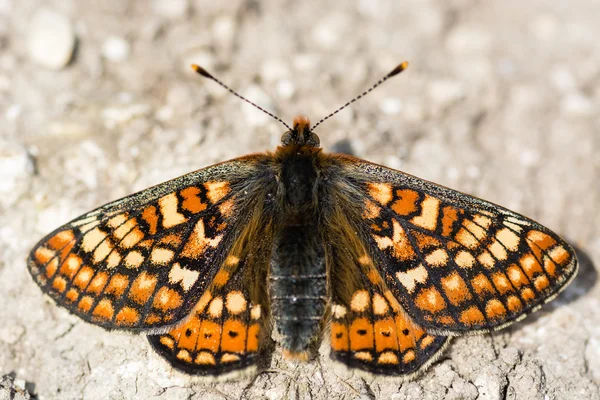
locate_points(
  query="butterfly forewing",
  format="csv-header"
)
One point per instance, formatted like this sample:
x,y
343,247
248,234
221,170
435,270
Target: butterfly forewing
x,y
457,263
142,262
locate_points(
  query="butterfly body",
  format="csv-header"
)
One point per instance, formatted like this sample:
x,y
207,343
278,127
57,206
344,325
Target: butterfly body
x,y
389,265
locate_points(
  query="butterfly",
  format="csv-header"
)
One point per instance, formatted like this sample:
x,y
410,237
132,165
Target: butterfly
x,y
305,243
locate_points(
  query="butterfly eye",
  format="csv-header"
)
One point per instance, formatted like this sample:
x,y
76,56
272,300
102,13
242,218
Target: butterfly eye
x,y
287,138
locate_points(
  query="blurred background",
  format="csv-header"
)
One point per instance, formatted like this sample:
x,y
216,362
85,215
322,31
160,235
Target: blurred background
x,y
97,100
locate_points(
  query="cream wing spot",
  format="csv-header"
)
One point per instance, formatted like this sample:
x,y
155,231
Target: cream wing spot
x,y
117,220
216,307
429,213
102,251
464,259
134,259
498,251
236,303
215,191
255,311
338,311
92,239
360,301
168,208
161,256
381,192
185,277
410,278
437,258
380,305
508,238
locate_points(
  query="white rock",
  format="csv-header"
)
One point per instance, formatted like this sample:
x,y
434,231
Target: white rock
x,y
51,39
529,158
13,112
562,78
285,88
171,8
577,104
116,49
391,106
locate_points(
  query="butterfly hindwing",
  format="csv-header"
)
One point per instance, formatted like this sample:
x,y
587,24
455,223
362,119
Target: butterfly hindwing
x,y
457,263
227,328
142,262
369,329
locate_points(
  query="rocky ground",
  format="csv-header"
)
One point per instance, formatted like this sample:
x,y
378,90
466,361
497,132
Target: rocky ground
x,y
97,101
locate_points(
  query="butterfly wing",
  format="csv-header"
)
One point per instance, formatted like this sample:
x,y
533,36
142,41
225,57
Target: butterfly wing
x,y
455,263
228,326
142,262
370,331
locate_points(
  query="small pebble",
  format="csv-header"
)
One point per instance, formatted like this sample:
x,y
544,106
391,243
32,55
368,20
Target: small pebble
x,y
285,88
51,39
116,49
562,78
171,8
577,104
391,106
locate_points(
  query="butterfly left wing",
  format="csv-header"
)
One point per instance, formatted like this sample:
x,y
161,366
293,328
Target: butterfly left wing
x,y
142,262
455,263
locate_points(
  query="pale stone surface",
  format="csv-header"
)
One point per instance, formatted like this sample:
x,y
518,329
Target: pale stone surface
x,y
501,100
51,39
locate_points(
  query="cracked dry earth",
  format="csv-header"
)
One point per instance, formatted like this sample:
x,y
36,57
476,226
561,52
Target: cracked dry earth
x,y
97,101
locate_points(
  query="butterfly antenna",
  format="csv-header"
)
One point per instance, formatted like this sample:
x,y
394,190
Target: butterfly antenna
x,y
206,74
401,67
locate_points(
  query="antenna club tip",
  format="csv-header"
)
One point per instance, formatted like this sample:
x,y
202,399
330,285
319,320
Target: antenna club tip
x,y
201,70
401,67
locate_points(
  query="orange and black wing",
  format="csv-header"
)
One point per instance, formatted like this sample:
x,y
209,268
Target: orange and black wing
x,y
455,263
370,331
227,328
143,262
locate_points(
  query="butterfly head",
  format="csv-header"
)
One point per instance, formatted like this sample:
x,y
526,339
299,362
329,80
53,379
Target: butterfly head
x,y
300,134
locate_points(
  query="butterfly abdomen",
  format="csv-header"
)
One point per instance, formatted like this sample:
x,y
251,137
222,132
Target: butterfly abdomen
x,y
298,286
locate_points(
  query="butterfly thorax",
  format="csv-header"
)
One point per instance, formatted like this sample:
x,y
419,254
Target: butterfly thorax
x,y
298,277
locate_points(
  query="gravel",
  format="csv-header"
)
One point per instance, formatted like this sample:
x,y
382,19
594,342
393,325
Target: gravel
x,y
97,100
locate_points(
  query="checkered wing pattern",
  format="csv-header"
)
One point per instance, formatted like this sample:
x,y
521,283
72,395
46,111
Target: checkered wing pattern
x,y
457,263
143,262
225,332
370,331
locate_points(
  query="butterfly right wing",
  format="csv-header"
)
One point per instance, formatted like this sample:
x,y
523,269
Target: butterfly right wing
x,y
370,331
142,262
229,325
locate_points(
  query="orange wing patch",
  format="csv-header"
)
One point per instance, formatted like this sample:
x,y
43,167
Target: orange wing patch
x,y
222,335
374,334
